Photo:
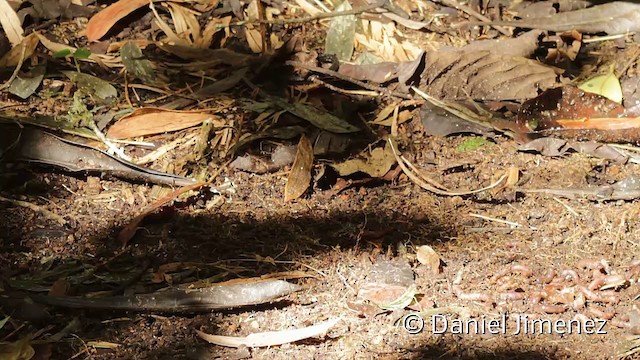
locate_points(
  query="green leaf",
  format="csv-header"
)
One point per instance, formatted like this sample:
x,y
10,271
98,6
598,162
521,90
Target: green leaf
x,y
82,53
93,86
25,85
136,64
341,34
62,53
317,117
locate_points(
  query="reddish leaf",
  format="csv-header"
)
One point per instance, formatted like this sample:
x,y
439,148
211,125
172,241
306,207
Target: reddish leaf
x,y
103,21
569,107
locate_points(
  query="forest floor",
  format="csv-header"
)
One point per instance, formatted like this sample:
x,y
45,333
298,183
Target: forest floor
x,y
353,243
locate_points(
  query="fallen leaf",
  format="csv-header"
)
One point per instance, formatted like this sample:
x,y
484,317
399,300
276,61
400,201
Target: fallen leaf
x,y
103,21
20,52
308,7
24,85
254,39
429,257
615,17
340,37
136,64
300,175
93,86
18,350
564,104
284,132
11,23
270,338
482,75
101,59
317,117
550,146
375,163
606,85
149,121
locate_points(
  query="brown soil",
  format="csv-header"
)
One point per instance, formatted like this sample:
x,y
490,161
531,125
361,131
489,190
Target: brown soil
x,y
339,236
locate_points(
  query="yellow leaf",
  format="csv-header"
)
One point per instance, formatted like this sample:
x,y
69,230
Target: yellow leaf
x,y
605,85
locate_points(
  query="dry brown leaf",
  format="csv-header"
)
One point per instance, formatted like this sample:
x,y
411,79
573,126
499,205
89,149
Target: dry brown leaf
x,y
374,163
613,17
254,39
300,176
14,56
103,21
276,41
206,39
308,7
148,121
429,257
482,75
11,23
185,22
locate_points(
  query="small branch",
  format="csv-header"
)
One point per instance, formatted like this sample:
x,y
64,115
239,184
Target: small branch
x,y
469,11
17,70
356,11
337,75
47,214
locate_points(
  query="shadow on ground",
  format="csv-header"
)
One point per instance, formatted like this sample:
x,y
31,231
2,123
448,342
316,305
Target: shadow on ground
x,y
238,240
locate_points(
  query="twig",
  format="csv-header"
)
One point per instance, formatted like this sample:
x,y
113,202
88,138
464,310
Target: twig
x,y
348,79
321,16
109,144
469,11
513,224
569,208
425,185
15,72
47,214
318,81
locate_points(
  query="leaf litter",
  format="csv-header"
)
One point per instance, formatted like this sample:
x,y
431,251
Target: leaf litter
x,y
187,84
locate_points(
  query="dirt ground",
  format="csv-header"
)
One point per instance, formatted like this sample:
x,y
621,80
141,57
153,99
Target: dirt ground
x,y
505,255
340,237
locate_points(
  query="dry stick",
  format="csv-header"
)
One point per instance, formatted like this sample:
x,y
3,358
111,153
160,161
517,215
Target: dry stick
x,y
510,223
116,150
15,72
475,14
315,80
47,214
348,79
423,184
356,11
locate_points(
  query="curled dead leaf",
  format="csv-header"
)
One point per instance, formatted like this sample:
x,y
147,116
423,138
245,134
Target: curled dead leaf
x,y
429,257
